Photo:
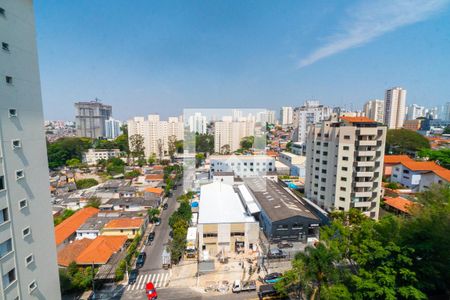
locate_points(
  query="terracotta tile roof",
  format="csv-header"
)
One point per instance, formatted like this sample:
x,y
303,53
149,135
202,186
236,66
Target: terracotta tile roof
x,y
154,190
70,253
396,159
154,177
422,165
71,224
357,119
101,249
124,223
443,173
399,203
158,167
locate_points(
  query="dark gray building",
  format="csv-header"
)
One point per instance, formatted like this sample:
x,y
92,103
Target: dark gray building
x,y
283,216
90,118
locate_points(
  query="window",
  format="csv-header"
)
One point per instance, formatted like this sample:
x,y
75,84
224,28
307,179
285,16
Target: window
x,y
406,171
207,235
346,137
297,226
345,158
4,217
2,11
5,46
341,198
5,247
2,183
32,286
16,144
346,147
344,178
26,232
19,174
8,79
9,277
283,227
323,180
29,259
12,112
343,189
237,234
344,169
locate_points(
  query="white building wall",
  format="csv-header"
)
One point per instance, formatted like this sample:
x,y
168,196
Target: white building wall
x,y
23,94
395,107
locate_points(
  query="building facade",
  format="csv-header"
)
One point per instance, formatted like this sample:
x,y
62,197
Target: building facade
x,y
310,113
228,133
197,123
344,164
415,111
92,156
156,133
286,115
112,128
90,118
374,109
394,107
242,165
28,265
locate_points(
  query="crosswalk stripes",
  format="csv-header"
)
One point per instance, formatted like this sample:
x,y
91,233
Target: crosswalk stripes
x,y
159,280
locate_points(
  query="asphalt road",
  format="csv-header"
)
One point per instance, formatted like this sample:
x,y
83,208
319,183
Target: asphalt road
x,y
188,294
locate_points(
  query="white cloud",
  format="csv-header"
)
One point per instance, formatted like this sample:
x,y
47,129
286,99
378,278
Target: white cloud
x,y
372,19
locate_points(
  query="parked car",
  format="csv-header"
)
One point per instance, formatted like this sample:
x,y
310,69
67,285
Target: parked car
x,y
285,244
158,221
273,277
150,291
133,276
165,206
276,253
171,234
150,238
141,260
243,286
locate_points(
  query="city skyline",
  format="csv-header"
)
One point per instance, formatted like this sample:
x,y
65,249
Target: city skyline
x,y
210,54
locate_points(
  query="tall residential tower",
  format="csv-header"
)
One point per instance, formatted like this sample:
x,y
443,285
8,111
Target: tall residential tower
x,y
27,253
394,107
90,118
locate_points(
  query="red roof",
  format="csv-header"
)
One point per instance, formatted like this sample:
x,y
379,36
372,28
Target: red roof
x,y
155,190
70,253
396,159
100,250
421,165
64,230
357,119
154,177
443,173
402,204
124,223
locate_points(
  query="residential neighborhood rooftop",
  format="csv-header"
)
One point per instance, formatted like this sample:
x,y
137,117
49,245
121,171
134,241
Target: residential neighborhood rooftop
x,y
124,223
64,230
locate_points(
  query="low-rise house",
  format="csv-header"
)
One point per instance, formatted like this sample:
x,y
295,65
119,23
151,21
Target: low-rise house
x,y
66,231
128,191
296,163
411,174
155,194
242,165
392,160
113,185
154,178
398,205
92,156
133,203
128,227
96,251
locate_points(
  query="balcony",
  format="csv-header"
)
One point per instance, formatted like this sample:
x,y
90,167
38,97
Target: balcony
x,y
366,153
362,184
365,164
364,174
362,204
363,194
367,142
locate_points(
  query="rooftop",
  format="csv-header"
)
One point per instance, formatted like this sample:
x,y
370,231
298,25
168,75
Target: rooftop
x,y
396,159
140,201
219,203
101,249
357,119
154,190
402,204
68,227
239,157
70,253
154,177
124,223
421,165
276,202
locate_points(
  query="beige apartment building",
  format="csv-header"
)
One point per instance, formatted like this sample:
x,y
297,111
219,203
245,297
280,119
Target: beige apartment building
x,y
374,109
394,107
344,164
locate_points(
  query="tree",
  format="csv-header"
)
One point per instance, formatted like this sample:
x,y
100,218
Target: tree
x,y
132,174
153,214
86,183
64,149
199,158
446,130
160,150
441,156
247,142
137,146
94,202
114,166
399,141
73,163
225,149
152,159
172,146
204,143
179,145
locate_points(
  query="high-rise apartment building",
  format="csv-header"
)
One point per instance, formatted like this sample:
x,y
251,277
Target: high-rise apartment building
x,y
415,111
394,107
228,133
112,128
374,109
444,112
156,133
28,267
286,115
197,123
266,116
310,113
90,118
344,161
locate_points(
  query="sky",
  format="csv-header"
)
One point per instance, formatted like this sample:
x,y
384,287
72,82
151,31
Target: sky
x,y
146,57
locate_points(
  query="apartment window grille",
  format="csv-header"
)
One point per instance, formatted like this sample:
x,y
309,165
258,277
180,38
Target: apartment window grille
x,y
23,203
26,232
16,144
29,259
32,286
12,112
346,137
5,46
20,174
8,79
346,147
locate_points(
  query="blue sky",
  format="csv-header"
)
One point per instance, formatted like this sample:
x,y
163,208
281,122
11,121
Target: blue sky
x,y
163,56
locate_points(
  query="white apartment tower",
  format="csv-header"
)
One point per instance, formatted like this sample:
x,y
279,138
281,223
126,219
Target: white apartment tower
x,y
286,115
156,132
112,128
310,113
374,109
415,111
394,107
344,161
197,123
229,132
28,267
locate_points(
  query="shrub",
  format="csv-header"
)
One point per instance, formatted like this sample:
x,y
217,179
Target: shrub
x,y
86,183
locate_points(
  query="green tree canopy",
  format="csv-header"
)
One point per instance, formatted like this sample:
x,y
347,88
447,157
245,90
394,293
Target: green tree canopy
x,y
65,149
400,141
247,142
441,156
204,143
